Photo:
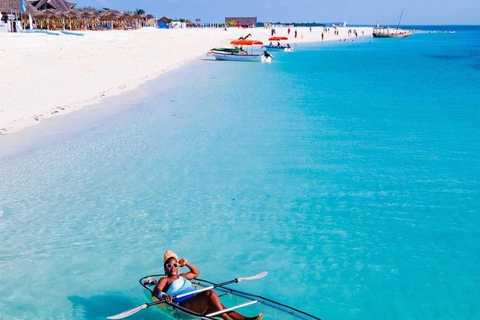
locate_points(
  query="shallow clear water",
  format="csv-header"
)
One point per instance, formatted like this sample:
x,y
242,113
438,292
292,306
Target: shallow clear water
x,y
348,170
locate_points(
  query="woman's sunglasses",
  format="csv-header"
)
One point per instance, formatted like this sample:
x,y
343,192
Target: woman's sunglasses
x,y
170,265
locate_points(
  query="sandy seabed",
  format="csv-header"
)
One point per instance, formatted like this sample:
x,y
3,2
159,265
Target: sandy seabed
x,y
47,75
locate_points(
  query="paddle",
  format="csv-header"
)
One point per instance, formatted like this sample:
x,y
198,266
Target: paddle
x,y
147,305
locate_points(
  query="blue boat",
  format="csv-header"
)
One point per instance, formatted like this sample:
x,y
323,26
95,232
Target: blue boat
x,y
279,45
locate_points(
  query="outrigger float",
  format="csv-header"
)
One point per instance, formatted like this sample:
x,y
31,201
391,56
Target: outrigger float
x,y
232,299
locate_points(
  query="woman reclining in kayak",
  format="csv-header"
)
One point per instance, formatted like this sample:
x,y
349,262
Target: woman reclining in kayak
x,y
174,284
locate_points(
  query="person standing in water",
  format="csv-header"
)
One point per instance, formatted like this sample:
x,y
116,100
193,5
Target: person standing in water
x,y
176,283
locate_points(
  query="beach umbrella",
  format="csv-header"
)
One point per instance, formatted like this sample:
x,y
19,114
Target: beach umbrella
x,y
137,18
45,16
127,17
57,19
110,15
88,16
71,14
62,15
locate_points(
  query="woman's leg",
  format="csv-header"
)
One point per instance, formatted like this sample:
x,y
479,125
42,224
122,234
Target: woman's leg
x,y
207,302
237,316
204,303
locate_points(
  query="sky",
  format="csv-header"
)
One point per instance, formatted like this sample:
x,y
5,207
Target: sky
x,y
366,12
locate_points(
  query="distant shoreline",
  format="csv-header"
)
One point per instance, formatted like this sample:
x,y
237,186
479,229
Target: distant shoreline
x,y
52,75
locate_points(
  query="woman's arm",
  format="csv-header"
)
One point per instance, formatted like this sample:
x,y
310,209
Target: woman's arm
x,y
158,290
193,273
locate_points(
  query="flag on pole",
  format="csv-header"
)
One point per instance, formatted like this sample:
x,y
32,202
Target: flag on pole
x,y
23,6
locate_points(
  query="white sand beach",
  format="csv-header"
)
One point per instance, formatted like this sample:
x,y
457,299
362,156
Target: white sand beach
x,y
47,75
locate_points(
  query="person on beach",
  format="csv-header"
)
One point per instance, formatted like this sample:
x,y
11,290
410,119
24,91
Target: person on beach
x,y
176,283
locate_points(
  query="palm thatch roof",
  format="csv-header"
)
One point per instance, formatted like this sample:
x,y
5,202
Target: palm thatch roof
x,y
58,5
110,14
10,6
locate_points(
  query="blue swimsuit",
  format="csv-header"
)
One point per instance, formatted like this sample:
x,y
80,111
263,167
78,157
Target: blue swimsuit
x,y
180,286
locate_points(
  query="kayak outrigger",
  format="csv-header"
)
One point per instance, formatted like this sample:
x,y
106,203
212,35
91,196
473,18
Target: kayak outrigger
x,y
232,299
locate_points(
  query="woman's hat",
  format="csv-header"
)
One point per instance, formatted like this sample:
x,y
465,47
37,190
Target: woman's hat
x,y
169,254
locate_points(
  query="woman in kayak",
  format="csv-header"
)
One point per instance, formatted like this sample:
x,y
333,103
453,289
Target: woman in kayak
x,y
176,283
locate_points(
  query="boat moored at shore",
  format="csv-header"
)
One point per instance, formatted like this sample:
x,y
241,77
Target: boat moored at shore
x,y
381,32
279,45
385,32
243,50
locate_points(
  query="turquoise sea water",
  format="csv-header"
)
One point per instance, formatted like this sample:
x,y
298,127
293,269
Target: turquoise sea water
x,y
347,170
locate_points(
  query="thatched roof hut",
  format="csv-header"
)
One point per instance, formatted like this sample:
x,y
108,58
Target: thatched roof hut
x,y
10,6
61,14
164,19
58,5
110,14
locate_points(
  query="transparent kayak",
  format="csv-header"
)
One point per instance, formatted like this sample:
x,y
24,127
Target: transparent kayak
x,y
248,304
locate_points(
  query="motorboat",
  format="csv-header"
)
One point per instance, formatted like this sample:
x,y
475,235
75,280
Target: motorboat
x,y
242,50
279,45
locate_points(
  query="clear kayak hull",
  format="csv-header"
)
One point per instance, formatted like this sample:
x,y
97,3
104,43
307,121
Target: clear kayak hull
x,y
270,309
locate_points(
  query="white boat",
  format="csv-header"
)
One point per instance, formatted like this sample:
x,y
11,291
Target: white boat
x,y
243,50
384,32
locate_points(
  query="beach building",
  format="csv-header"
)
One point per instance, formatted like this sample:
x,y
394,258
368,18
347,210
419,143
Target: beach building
x,y
12,11
16,14
12,6
246,22
163,22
